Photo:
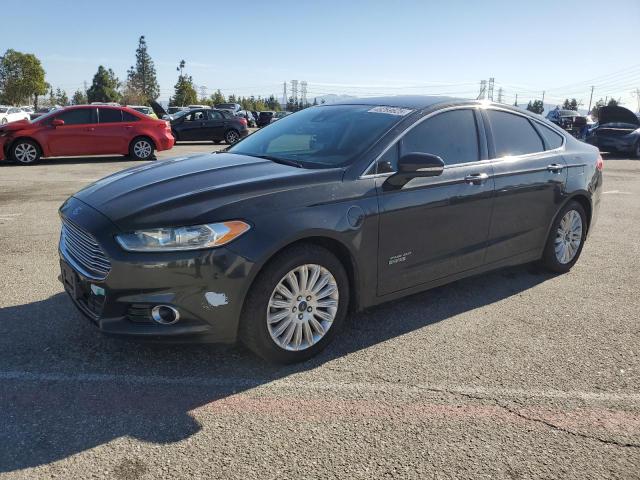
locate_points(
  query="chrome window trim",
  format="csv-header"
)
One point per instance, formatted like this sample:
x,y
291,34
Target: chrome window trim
x,y
488,160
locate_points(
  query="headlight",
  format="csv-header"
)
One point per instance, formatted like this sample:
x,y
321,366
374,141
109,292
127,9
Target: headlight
x,y
182,238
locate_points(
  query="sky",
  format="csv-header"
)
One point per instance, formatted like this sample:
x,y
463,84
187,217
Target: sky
x,y
353,47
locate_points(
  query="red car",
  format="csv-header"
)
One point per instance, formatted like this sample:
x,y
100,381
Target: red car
x,y
85,130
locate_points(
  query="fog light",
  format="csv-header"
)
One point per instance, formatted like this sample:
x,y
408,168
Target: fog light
x,y
165,315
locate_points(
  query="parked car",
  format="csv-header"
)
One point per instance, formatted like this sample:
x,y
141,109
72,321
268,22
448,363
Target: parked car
x,y
43,111
330,210
569,120
85,130
27,108
264,118
278,115
172,110
617,130
208,124
148,111
12,114
234,107
191,107
246,114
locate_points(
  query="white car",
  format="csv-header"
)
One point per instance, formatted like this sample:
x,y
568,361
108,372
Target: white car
x,y
12,114
27,108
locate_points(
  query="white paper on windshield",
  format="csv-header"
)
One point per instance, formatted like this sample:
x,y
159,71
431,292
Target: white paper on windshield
x,y
391,110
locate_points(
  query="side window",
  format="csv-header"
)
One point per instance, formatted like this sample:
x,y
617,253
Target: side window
x,y
551,138
109,115
196,116
513,134
452,136
77,116
215,115
129,117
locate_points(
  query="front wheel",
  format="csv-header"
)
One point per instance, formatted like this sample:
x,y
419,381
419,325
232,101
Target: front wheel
x,y
231,137
25,152
296,305
566,238
141,149
636,150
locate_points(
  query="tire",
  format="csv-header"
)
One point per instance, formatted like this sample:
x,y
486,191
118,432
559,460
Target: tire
x,y
562,251
260,336
175,135
141,148
636,150
25,152
4,121
217,142
231,136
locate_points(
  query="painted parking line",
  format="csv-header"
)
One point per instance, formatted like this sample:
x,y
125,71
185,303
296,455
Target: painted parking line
x,y
292,383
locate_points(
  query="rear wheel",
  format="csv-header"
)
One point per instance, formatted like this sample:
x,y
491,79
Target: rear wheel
x,y
636,150
296,305
566,238
231,137
141,148
25,152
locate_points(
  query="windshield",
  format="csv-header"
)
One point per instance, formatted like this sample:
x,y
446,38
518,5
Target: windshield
x,y
3,110
44,117
181,113
322,137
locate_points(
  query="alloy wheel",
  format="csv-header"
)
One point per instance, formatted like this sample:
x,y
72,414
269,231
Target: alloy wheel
x,y
25,153
142,149
568,237
302,307
232,137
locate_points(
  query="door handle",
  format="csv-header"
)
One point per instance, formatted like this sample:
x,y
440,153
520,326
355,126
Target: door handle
x,y
555,168
476,178
128,127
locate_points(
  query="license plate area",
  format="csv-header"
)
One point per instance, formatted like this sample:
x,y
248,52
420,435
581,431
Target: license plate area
x,y
91,298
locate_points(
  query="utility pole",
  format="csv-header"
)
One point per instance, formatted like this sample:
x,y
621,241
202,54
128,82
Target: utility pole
x,y
284,94
500,95
483,90
590,99
303,92
490,90
294,91
516,103
543,98
637,95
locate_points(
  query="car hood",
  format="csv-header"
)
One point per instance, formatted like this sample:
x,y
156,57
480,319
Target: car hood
x,y
198,189
14,126
617,114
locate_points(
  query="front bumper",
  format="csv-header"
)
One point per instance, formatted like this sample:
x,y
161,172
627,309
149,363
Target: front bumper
x,y
207,287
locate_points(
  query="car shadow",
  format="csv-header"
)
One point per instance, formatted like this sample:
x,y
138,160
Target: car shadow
x,y
74,160
67,389
617,156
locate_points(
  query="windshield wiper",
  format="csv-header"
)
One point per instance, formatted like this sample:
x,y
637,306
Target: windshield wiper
x,y
283,161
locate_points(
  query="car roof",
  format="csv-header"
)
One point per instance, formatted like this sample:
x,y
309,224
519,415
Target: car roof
x,y
414,102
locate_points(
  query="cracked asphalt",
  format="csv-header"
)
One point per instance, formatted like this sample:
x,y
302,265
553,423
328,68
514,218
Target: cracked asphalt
x,y
512,374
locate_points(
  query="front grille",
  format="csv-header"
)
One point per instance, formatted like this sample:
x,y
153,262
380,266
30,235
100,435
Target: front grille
x,y
139,313
84,250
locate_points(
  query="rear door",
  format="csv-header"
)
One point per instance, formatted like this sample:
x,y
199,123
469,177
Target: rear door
x,y
435,227
529,180
215,125
76,136
110,133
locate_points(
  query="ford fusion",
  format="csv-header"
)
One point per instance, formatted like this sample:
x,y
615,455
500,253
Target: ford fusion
x,y
327,211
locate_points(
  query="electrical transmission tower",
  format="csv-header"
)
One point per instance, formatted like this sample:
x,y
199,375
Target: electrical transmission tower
x,y
294,90
500,95
303,92
285,100
203,91
490,89
483,90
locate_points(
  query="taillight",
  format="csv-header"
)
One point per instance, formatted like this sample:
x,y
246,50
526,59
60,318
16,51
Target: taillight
x,y
243,121
600,163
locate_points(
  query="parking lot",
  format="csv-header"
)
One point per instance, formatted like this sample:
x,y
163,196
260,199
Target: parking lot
x,y
513,374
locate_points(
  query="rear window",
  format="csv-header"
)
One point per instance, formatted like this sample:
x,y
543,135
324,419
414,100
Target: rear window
x,y
129,117
109,115
551,138
77,116
513,134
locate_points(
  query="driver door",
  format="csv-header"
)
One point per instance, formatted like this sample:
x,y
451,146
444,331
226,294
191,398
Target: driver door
x,y
434,227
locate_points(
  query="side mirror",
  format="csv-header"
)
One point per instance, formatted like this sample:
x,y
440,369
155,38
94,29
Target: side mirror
x,y
56,122
412,165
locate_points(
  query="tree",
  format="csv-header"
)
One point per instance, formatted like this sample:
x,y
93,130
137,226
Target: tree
x,y
217,98
61,97
21,77
570,104
613,102
142,84
184,91
79,98
536,107
104,87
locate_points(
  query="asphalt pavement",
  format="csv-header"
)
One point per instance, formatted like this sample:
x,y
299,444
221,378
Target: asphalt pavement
x,y
513,374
